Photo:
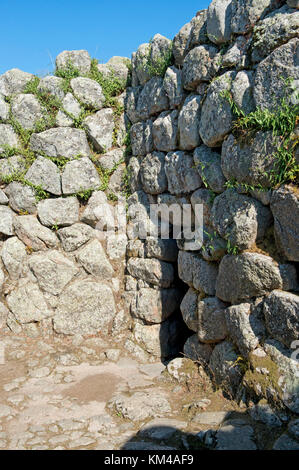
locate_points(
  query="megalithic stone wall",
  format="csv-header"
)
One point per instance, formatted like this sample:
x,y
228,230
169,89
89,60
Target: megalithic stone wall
x,y
209,118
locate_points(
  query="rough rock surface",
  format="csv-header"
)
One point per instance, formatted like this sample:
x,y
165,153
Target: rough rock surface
x,y
216,114
61,142
188,123
58,212
45,173
251,164
281,65
281,310
285,207
84,307
79,176
181,175
247,275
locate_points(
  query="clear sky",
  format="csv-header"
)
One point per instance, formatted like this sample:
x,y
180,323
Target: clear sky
x,y
33,32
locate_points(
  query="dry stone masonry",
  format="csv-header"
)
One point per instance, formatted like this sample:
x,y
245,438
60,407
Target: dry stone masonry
x,y
209,118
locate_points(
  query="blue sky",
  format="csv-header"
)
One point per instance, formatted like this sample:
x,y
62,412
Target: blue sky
x,y
33,32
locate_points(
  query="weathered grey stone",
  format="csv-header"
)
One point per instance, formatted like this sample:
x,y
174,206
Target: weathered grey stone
x,y
70,109
3,198
21,198
80,60
263,413
75,236
289,277
203,197
181,175
111,159
235,437
45,173
140,72
211,320
208,164
117,246
251,164
288,369
79,175
4,109
14,81
165,250
200,65
181,43
8,137
141,405
219,21
98,212
197,351
52,85
154,306
281,311
189,309
11,165
242,91
152,99
116,183
153,271
246,275
188,123
3,315
293,428
216,113
25,108
285,442
214,248
165,131
61,142
100,127
153,174
246,13
276,29
237,54
130,103
293,3
141,138
58,212
13,255
285,209
148,58
173,86
198,34
211,418
28,304
183,370
160,340
119,67
6,221
85,307
223,364
197,273
240,219
141,224
271,75
33,234
52,270
93,258
245,327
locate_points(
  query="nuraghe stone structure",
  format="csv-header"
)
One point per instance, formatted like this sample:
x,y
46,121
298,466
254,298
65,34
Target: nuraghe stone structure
x,y
184,122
